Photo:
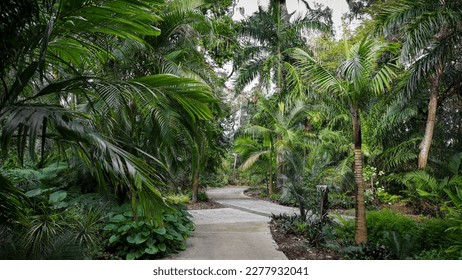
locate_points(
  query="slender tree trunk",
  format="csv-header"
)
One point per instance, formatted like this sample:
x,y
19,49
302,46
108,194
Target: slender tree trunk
x,y
360,226
431,120
235,169
271,172
301,207
195,186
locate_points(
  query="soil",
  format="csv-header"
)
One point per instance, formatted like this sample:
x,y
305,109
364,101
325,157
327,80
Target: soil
x,y
204,205
296,247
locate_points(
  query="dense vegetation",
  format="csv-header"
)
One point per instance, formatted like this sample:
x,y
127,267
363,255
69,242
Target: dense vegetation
x,y
114,113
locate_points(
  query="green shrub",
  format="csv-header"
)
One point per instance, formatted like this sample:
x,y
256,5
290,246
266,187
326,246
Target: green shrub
x,y
379,222
202,196
400,246
344,230
370,251
435,236
145,239
317,232
341,201
275,196
435,255
385,197
178,199
404,237
213,180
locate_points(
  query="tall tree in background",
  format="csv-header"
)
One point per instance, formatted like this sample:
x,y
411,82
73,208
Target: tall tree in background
x,y
430,33
276,126
359,78
265,36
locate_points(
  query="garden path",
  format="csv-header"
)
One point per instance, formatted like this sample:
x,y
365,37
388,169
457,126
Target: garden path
x,y
239,231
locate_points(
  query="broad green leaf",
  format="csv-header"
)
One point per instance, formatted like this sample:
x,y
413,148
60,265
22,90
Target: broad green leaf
x,y
117,218
425,193
33,193
128,214
114,238
110,227
133,255
136,239
162,247
125,228
160,230
60,205
57,197
152,250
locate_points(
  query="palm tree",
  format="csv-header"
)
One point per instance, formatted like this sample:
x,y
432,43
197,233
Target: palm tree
x,y
277,126
358,79
265,35
58,90
430,32
176,52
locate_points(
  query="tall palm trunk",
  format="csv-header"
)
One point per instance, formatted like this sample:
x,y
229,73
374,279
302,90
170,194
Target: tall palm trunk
x,y
431,120
271,169
195,186
284,19
360,226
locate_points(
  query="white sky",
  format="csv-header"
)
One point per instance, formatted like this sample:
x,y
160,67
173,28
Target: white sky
x,y
339,7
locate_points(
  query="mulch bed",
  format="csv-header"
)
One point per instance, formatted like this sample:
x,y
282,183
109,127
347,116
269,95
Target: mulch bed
x,y
204,205
297,247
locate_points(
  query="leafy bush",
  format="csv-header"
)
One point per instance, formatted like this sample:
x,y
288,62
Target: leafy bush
x,y
371,251
454,210
437,255
179,199
341,201
433,234
404,237
52,229
385,197
145,239
202,196
400,246
379,222
317,232
213,180
275,196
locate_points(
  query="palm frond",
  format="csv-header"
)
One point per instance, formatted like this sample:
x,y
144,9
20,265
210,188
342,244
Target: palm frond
x,y
403,153
106,160
252,159
454,163
320,77
12,202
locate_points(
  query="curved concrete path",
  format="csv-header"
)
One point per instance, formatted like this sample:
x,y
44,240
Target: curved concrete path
x,y
238,232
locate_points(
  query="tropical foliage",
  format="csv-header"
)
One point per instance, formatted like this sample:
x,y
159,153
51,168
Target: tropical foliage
x,y
116,113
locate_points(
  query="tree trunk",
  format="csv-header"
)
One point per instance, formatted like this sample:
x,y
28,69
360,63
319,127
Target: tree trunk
x,y
431,120
271,173
284,19
195,186
271,190
360,226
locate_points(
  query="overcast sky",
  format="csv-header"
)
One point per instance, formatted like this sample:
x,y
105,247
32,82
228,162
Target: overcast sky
x,y
339,7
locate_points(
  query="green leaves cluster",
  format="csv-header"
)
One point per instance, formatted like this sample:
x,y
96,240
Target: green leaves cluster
x,y
146,239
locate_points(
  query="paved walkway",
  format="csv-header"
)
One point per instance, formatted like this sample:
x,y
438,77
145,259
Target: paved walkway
x,y
238,232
